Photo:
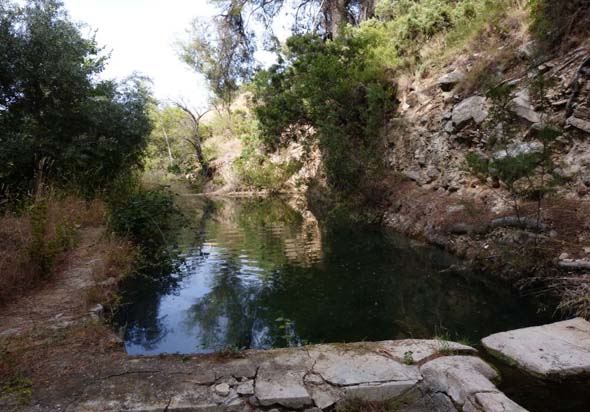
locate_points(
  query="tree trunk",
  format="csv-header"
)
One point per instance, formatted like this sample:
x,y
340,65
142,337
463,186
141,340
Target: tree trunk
x,y
170,158
367,10
205,169
339,12
336,15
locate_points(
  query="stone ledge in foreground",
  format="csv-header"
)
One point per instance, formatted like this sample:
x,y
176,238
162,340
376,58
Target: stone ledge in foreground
x,y
555,351
414,373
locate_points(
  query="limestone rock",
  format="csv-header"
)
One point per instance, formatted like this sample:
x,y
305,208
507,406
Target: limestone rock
x,y
355,367
423,349
222,389
325,395
413,175
246,388
471,109
448,81
459,376
519,150
495,402
522,106
581,124
555,351
313,378
379,392
280,386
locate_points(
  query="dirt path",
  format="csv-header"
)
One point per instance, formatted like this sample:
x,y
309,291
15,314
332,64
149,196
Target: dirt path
x,y
49,342
61,301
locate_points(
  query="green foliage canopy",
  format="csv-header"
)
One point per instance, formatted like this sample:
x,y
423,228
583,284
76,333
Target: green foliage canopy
x,y
219,53
330,87
56,120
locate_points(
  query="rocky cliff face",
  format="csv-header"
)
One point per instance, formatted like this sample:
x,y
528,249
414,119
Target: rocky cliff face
x,y
435,196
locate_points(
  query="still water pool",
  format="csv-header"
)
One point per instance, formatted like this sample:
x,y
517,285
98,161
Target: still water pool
x,y
257,273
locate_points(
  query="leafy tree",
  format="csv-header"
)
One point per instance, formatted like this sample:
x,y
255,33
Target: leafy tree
x,y
222,49
223,56
327,86
326,17
56,121
194,138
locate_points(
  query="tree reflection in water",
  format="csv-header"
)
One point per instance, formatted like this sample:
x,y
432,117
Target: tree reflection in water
x,y
258,274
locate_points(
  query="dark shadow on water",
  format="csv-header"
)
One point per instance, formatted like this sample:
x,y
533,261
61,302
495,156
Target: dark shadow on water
x,y
259,274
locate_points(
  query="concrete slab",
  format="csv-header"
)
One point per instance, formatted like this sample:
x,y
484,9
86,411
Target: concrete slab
x,y
275,385
466,380
556,351
347,366
311,378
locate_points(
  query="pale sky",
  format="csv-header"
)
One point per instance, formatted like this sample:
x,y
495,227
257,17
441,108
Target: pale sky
x,y
141,36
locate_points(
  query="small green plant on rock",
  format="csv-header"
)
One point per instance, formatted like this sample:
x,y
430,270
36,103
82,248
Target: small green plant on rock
x,y
524,168
409,358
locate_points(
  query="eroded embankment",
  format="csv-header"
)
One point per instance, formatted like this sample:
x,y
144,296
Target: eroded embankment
x,y
446,119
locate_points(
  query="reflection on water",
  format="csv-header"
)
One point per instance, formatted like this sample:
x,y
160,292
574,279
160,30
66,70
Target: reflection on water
x,y
258,274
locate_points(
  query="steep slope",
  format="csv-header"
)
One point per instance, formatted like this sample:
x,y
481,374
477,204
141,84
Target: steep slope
x,y
444,119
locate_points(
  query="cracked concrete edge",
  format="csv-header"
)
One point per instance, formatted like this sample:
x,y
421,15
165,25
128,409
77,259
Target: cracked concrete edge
x,y
174,399
468,383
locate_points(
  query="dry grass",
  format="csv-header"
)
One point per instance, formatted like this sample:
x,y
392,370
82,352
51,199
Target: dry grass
x,y
117,260
360,405
575,295
481,44
497,47
35,242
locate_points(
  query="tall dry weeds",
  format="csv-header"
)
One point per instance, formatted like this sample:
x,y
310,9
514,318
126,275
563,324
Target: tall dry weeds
x,y
36,240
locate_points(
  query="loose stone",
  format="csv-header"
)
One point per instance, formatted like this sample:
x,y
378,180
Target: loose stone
x,y
222,389
246,388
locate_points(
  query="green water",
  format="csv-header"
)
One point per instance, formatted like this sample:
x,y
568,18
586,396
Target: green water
x,y
259,274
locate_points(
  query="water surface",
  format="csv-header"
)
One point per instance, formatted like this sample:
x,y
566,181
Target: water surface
x,y
259,274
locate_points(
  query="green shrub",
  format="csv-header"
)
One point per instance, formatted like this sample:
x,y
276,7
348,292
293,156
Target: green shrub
x,y
149,218
402,27
478,165
142,215
264,175
254,170
526,174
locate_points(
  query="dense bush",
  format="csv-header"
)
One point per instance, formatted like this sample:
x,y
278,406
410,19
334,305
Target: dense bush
x,y
402,27
329,89
255,172
140,214
57,122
